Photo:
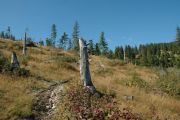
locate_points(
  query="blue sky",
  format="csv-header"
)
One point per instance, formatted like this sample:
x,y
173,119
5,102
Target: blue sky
x,y
123,21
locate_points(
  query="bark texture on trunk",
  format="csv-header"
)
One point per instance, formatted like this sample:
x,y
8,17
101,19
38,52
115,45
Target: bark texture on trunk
x,y
84,68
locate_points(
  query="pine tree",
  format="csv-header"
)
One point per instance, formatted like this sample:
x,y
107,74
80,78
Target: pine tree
x,y
97,50
53,35
103,46
48,42
75,36
118,53
2,34
63,41
8,32
178,35
91,47
41,42
69,44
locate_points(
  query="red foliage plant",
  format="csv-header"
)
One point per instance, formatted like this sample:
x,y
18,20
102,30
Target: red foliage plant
x,y
82,105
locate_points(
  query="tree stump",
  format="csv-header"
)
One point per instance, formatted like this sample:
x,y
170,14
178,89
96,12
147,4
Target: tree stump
x,y
14,61
84,68
24,45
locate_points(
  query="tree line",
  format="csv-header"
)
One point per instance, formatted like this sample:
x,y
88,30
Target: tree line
x,y
7,34
154,54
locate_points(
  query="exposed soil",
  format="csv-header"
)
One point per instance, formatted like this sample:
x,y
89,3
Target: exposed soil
x,y
45,104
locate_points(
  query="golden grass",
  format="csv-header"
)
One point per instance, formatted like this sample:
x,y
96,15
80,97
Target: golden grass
x,y
16,94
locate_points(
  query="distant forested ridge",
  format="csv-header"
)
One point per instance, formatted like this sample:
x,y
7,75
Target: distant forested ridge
x,y
157,54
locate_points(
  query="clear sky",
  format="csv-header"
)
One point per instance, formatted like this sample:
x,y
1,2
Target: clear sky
x,y
123,21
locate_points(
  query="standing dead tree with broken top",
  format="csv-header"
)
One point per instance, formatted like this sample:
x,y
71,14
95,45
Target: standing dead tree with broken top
x,y
24,44
84,68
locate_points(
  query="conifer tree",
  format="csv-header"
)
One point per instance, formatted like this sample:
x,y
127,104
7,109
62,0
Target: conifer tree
x,y
91,47
63,41
53,35
48,42
103,46
178,35
97,50
69,44
75,36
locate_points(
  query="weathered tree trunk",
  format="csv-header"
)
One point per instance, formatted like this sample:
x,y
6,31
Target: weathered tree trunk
x,y
124,54
14,61
84,68
24,44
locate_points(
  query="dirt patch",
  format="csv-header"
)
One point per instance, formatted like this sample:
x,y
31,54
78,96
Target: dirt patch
x,y
45,104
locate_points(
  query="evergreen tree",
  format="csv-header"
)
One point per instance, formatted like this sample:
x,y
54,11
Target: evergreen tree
x,y
178,35
118,53
2,34
97,50
91,47
63,41
41,42
69,44
110,54
48,42
53,35
103,46
8,32
75,36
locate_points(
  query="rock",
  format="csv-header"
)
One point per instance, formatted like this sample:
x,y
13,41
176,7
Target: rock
x,y
128,97
98,95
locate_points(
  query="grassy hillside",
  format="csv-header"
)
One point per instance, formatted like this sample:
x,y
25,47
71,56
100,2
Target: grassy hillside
x,y
155,91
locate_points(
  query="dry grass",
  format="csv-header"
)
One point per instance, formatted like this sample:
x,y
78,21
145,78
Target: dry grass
x,y
16,94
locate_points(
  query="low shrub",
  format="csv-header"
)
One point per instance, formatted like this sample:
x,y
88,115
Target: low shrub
x,y
116,63
66,59
5,67
169,82
137,82
82,105
104,71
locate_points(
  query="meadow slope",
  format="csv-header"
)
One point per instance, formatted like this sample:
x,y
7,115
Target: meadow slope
x,y
113,77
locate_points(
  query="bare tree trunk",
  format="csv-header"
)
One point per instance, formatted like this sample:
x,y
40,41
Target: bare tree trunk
x,y
24,44
124,54
84,68
14,61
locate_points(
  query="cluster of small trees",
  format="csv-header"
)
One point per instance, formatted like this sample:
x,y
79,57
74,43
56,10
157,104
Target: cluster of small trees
x,y
7,34
100,48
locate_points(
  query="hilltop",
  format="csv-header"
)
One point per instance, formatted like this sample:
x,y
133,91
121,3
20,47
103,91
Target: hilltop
x,y
148,92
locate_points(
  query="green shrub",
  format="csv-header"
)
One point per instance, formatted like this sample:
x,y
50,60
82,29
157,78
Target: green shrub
x,y
170,82
137,82
5,67
66,59
22,72
104,72
116,63
4,64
